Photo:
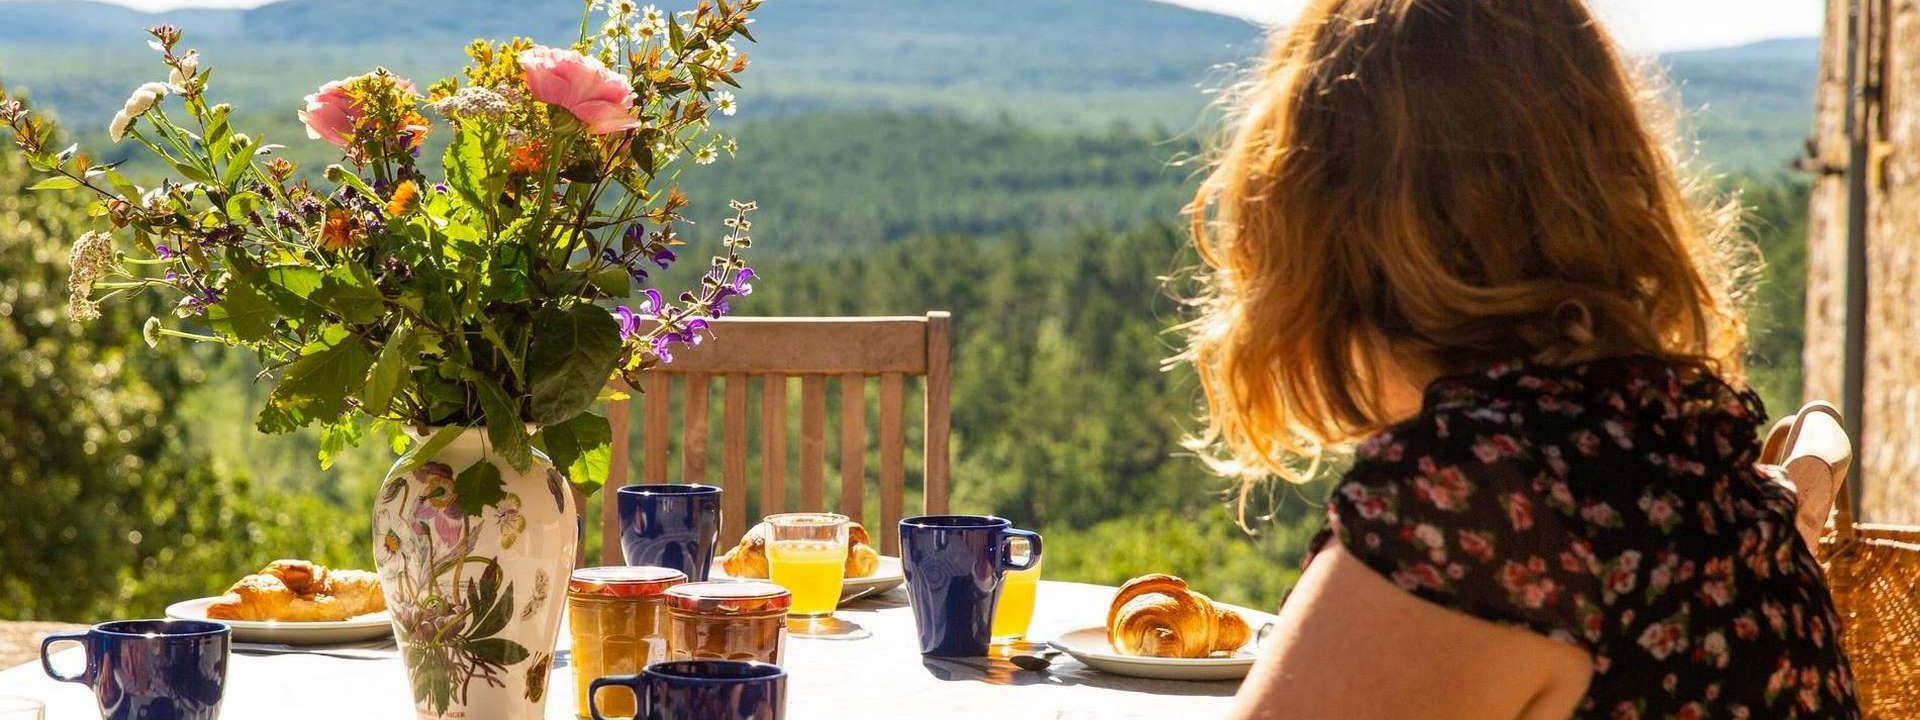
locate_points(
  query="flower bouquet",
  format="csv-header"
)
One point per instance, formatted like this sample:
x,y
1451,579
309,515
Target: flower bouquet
x,y
472,306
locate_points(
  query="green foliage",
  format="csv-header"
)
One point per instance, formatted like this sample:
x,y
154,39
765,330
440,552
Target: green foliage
x,y
1064,419
116,509
411,308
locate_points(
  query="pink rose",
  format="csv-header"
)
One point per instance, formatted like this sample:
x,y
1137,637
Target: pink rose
x,y
330,112
598,97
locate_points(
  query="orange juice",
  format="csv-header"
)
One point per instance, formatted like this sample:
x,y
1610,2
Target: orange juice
x,y
810,569
1014,611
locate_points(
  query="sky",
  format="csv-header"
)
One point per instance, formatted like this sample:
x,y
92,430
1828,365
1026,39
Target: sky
x,y
1643,25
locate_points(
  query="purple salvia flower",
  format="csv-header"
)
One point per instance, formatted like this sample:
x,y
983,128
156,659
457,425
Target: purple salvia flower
x,y
441,188
635,233
741,282
664,258
652,305
629,322
165,253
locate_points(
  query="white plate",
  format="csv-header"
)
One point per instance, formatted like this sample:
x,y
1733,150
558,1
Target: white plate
x,y
1089,646
356,629
886,576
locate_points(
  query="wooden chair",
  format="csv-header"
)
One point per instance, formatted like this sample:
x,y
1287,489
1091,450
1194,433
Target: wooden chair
x,y
853,349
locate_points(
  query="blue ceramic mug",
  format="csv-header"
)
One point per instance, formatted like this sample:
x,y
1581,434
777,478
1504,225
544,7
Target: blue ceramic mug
x,y
151,669
954,564
670,526
701,690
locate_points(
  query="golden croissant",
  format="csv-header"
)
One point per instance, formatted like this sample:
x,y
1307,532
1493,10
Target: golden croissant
x,y
1158,616
749,558
300,591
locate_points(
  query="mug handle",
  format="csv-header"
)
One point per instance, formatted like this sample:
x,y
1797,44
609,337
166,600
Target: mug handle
x,y
1006,549
46,653
630,682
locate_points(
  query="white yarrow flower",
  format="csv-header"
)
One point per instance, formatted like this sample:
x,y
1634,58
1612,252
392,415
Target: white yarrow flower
x,y
726,103
142,100
187,67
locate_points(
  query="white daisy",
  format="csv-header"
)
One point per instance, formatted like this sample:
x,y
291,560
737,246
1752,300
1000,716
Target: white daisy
x,y
725,102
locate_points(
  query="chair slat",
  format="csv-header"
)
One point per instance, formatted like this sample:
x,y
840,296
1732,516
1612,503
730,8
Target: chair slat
x,y
939,339
813,443
773,444
893,458
619,456
693,431
733,498
654,470
853,446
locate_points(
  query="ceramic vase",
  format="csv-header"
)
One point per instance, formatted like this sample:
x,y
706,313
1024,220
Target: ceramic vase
x,y
476,584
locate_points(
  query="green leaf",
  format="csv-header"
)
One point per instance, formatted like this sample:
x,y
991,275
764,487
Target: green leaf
x,y
195,174
581,447
499,651
336,437
55,183
478,486
243,204
390,370
348,291
243,312
316,386
614,281
572,354
470,168
122,185
423,453
505,428
237,167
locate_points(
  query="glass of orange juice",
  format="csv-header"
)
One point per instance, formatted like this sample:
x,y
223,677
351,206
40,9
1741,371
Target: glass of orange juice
x,y
1013,612
807,555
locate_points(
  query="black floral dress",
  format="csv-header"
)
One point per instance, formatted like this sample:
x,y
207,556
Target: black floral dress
x,y
1614,506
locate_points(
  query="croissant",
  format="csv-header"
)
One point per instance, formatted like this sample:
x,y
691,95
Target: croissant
x,y
748,559
300,591
1158,616
862,560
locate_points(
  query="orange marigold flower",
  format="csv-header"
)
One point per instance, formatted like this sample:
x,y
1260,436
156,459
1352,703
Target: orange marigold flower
x,y
340,231
528,159
406,196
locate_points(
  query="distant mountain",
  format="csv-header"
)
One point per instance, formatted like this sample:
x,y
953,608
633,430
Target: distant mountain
x,y
1052,63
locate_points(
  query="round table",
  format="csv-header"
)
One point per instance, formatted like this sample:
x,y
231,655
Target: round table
x,y
881,676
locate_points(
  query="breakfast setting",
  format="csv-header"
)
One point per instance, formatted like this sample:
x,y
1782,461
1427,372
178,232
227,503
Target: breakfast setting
x,y
764,627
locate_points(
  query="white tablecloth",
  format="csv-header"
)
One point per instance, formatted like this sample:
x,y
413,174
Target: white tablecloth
x,y
882,676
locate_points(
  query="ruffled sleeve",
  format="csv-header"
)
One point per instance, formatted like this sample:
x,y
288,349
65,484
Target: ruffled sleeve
x,y
1457,509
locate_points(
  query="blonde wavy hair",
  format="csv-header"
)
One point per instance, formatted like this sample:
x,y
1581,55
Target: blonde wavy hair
x,y
1449,184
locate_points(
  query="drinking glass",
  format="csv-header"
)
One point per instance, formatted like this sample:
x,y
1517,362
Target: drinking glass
x,y
21,708
807,555
1014,610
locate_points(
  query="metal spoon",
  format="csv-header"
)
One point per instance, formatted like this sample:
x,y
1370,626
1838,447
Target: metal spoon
x,y
1036,661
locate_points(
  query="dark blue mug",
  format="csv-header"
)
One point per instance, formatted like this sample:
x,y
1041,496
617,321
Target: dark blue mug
x,y
670,526
701,690
954,564
151,669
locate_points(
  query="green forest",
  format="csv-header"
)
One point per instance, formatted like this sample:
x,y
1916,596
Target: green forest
x,y
1033,190
149,483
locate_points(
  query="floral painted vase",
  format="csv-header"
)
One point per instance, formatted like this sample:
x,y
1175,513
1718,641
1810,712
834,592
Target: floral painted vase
x,y
474,561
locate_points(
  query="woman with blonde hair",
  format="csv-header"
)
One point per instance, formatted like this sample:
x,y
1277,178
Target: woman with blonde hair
x,y
1450,232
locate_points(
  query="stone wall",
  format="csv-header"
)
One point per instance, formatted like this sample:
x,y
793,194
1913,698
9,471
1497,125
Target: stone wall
x,y
1888,439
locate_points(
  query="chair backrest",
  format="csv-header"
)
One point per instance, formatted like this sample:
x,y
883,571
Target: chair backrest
x,y
853,350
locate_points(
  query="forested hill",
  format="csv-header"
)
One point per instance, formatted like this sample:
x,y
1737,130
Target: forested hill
x,y
1074,64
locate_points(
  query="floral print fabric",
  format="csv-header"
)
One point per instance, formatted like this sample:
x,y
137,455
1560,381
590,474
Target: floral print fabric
x,y
1614,506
